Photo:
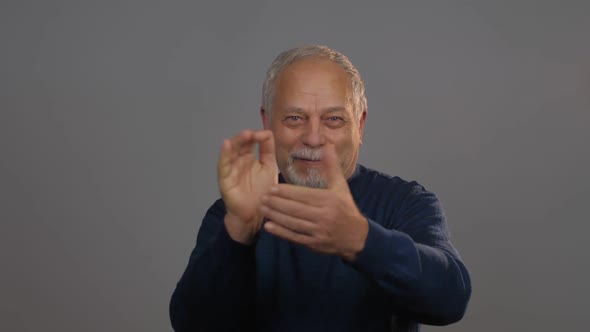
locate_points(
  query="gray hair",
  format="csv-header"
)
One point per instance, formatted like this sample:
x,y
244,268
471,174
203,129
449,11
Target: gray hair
x,y
359,100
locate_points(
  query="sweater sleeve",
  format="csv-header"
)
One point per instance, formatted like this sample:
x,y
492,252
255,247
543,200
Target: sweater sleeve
x,y
216,291
415,263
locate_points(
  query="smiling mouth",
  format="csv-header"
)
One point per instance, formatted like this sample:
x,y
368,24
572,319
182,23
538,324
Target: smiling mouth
x,y
308,161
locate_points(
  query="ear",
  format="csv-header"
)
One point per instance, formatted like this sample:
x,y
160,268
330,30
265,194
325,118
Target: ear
x,y
264,117
362,124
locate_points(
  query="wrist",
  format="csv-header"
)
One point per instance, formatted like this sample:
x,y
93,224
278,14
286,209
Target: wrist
x,y
358,242
239,230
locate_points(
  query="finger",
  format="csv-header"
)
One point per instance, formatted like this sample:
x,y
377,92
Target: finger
x,y
287,234
290,222
224,164
226,167
333,169
267,147
291,208
308,196
243,148
242,142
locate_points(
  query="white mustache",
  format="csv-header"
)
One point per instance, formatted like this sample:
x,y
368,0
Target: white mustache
x,y
307,154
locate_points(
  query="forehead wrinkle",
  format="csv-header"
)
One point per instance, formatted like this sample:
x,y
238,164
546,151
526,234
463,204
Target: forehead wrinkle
x,y
308,93
293,109
333,109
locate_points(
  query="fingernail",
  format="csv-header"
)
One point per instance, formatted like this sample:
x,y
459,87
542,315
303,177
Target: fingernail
x,y
274,189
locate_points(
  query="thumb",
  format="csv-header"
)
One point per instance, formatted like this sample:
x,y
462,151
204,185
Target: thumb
x,y
333,169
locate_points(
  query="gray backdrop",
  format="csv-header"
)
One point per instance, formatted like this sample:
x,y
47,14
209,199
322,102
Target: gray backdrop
x,y
112,114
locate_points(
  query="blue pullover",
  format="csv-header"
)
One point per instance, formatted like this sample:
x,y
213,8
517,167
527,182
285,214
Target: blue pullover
x,y
408,272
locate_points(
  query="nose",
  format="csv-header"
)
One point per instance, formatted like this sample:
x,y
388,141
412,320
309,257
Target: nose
x,y
313,135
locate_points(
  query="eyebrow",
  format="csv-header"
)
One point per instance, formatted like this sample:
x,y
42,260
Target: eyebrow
x,y
334,109
324,111
293,110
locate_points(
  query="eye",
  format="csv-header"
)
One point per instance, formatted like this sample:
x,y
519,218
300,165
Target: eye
x,y
334,121
293,120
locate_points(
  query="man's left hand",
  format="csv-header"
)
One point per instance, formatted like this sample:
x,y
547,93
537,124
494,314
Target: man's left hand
x,y
324,220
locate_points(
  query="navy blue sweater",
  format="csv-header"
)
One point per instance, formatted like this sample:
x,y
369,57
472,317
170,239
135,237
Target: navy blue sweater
x,y
408,272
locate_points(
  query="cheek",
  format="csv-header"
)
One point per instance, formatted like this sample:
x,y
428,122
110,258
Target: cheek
x,y
346,149
284,138
283,145
344,140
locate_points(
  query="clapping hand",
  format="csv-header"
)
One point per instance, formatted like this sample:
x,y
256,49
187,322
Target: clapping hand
x,y
243,179
324,220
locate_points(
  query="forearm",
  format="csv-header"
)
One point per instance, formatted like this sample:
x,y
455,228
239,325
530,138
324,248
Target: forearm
x,y
429,284
216,291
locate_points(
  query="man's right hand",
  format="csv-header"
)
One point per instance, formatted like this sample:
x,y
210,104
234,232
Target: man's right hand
x,y
243,180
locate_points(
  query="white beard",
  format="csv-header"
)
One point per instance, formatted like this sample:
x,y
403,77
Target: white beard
x,y
314,178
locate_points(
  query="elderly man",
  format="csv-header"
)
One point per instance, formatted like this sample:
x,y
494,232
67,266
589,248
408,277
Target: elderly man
x,y
326,244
